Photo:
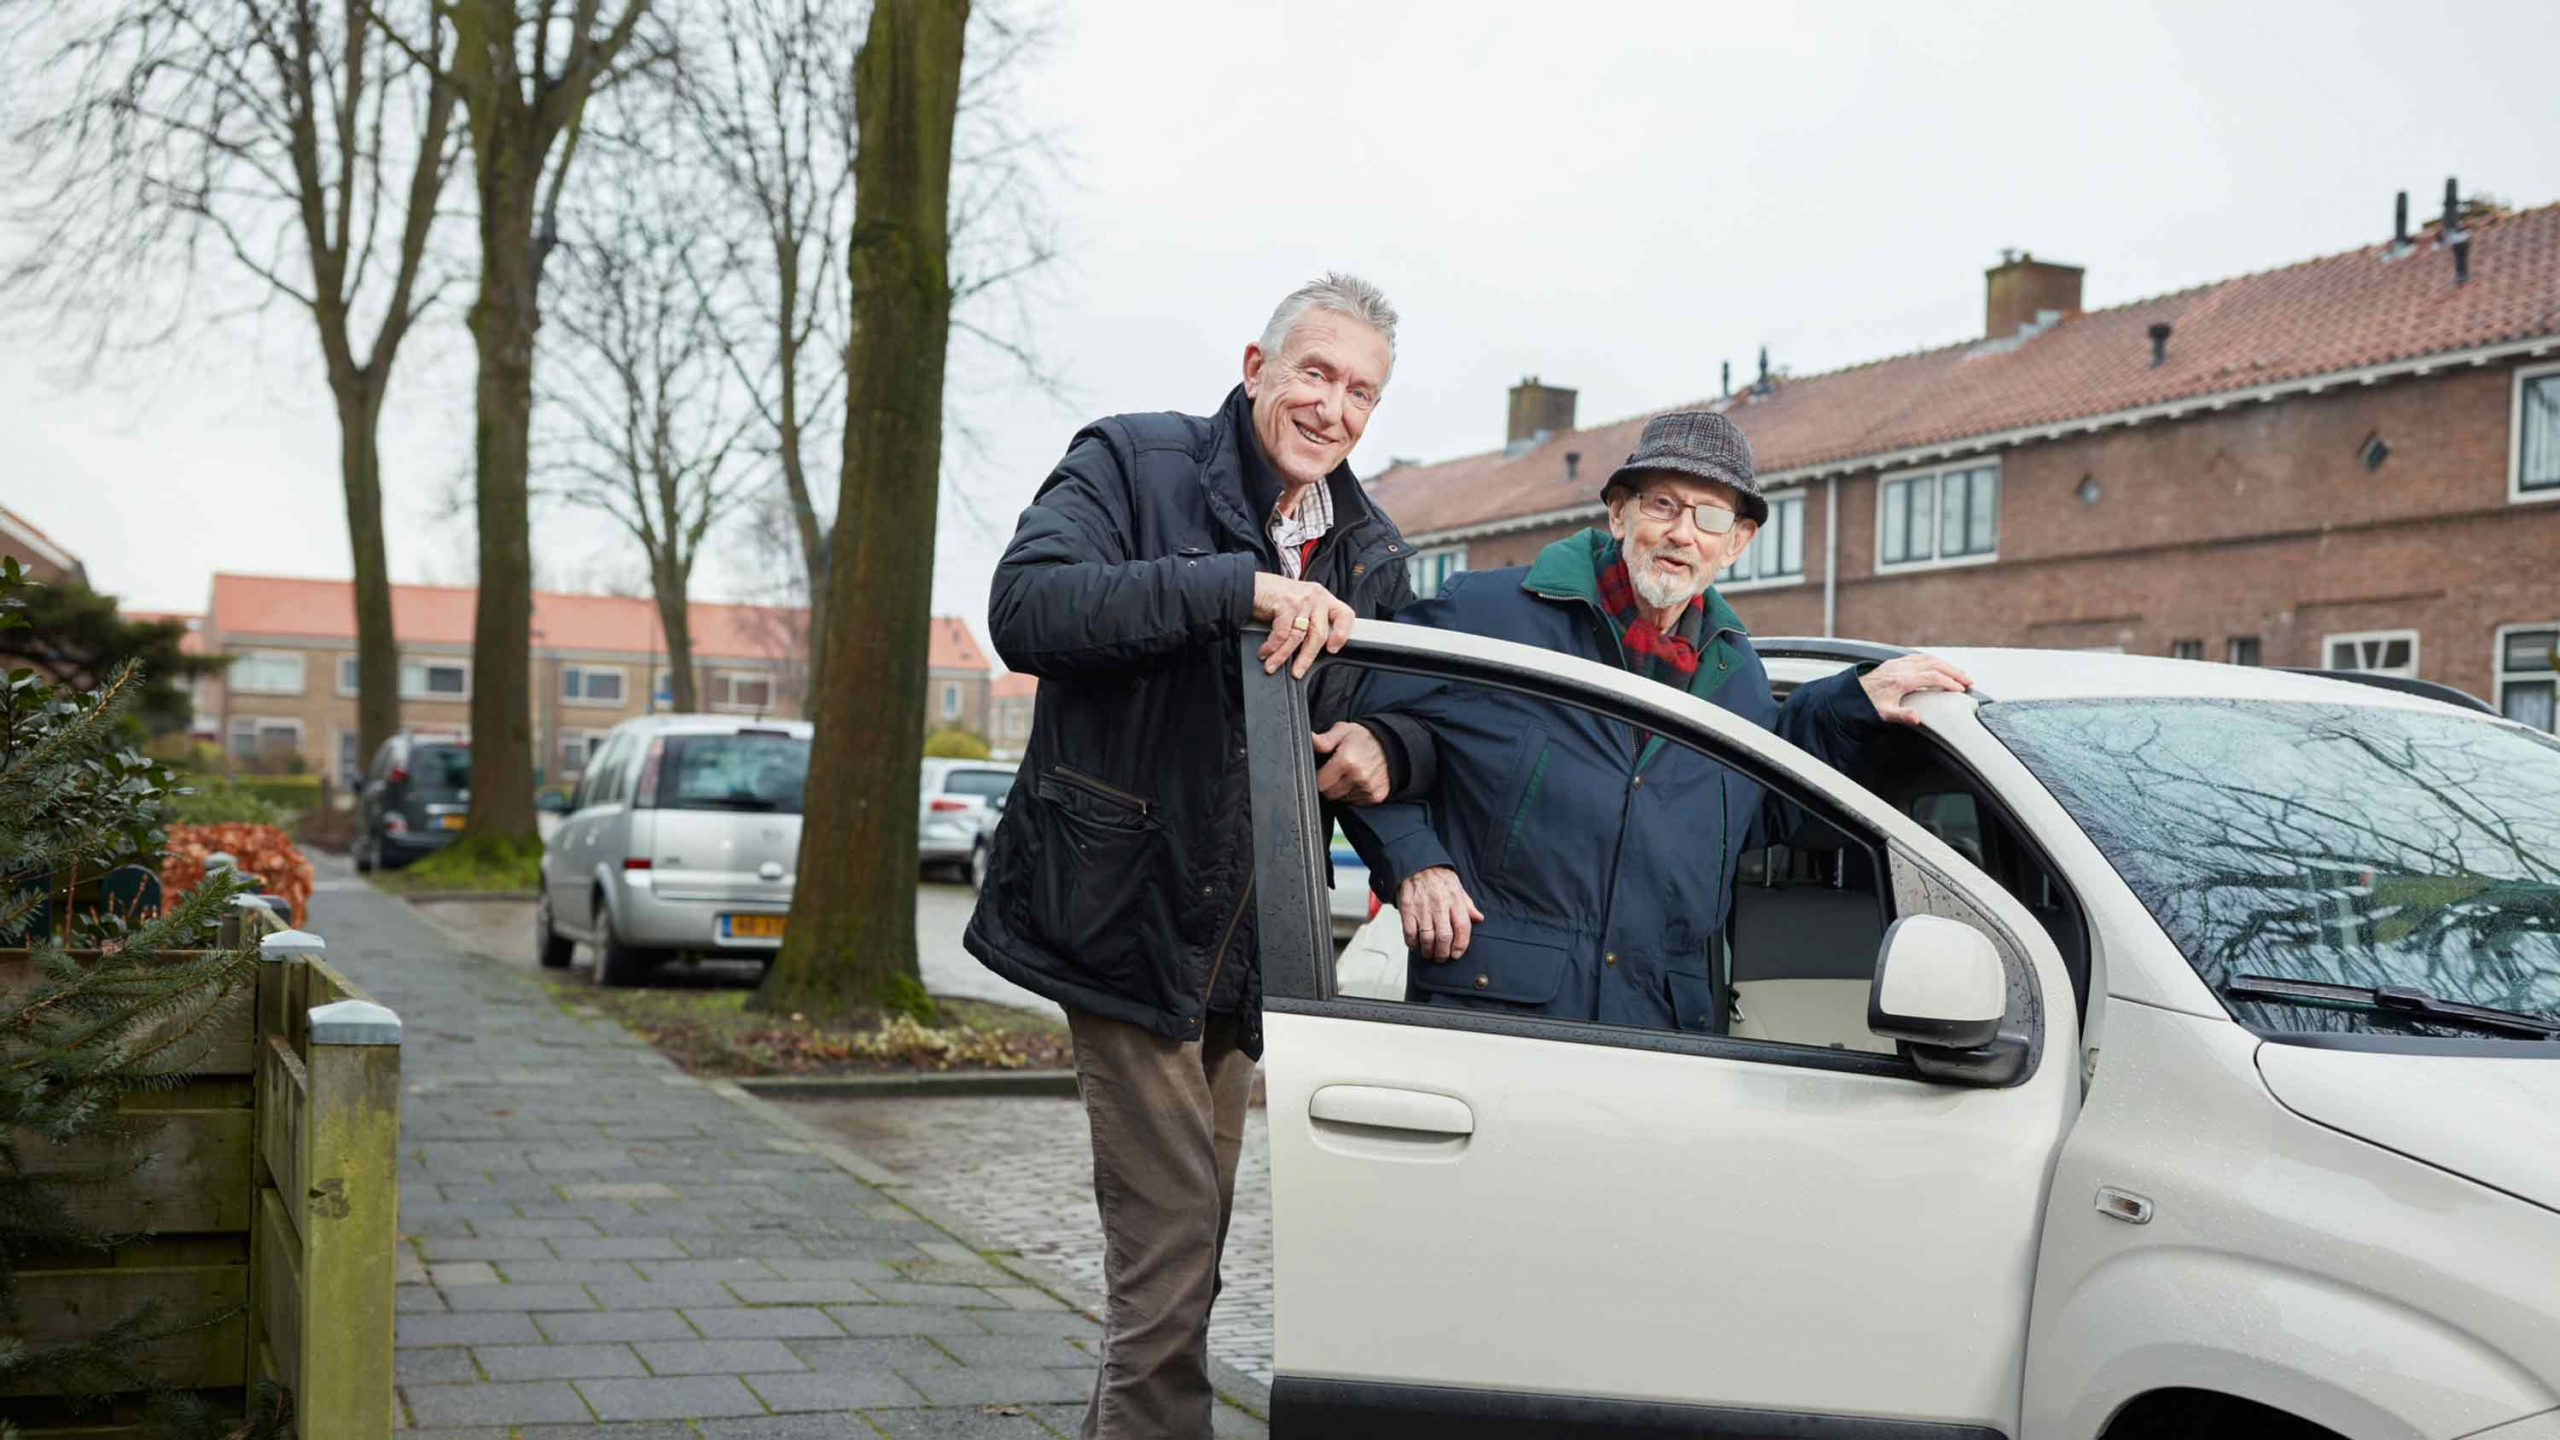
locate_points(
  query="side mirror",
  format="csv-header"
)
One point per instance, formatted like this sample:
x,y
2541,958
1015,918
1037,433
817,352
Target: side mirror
x,y
1940,989
1938,983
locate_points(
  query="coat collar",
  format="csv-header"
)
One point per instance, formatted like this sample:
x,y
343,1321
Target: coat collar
x,y
1243,487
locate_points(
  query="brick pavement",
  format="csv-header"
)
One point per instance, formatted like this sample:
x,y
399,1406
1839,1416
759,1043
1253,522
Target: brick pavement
x,y
596,1245
1019,1171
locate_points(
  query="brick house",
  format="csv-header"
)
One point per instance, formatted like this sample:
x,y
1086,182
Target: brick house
x,y
956,671
2347,462
597,660
1010,700
38,554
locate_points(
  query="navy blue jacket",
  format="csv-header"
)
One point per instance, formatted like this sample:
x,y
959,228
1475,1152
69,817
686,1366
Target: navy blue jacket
x,y
1604,869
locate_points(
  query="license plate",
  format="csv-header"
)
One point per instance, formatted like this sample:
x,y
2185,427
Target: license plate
x,y
756,927
451,822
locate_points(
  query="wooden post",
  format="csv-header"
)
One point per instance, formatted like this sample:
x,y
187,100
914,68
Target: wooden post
x,y
350,1219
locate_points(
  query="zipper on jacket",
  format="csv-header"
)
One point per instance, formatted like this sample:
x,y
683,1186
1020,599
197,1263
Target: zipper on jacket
x,y
1224,940
1091,786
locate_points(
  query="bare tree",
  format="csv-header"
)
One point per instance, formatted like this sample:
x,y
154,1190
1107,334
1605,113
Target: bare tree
x,y
851,940
770,93
287,141
523,72
648,412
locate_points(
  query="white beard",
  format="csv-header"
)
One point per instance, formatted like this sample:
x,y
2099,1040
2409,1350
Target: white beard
x,y
1657,590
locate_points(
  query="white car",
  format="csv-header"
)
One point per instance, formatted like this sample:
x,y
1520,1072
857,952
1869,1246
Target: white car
x,y
957,803
683,837
2140,1047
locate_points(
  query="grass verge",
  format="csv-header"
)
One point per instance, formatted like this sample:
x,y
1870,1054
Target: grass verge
x,y
474,862
711,1032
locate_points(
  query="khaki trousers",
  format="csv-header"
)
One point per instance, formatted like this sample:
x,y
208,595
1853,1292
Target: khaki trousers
x,y
1168,1125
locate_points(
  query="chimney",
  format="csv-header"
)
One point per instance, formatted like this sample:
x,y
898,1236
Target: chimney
x,y
1535,410
1572,463
2453,235
2159,343
2020,287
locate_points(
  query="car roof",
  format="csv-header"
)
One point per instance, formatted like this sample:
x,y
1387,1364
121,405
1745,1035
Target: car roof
x,y
2006,674
714,724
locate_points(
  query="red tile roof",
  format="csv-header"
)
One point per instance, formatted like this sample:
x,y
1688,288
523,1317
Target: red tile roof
x,y
283,606
2320,317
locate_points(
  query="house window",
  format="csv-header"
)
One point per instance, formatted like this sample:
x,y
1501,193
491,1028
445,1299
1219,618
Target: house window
x,y
419,679
257,736
266,672
2241,650
2534,467
950,700
1941,516
350,759
2186,649
2379,652
2529,675
1429,569
744,692
590,685
577,747
1777,552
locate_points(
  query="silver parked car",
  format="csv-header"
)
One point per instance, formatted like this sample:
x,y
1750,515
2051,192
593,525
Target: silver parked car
x,y
681,838
957,807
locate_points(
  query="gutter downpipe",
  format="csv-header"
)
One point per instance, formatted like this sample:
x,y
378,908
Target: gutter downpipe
x,y
1831,558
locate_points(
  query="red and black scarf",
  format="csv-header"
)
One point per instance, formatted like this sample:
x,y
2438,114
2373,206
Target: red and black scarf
x,y
1670,658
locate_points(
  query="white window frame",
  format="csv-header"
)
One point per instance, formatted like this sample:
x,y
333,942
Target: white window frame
x,y
2517,494
622,678
301,672
1455,555
950,699
2191,648
1936,475
591,743
725,684
347,687
1779,580
413,679
2360,638
2498,667
2231,650
257,726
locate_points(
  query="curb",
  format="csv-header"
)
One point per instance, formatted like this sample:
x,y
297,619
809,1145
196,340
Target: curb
x,y
438,897
906,1087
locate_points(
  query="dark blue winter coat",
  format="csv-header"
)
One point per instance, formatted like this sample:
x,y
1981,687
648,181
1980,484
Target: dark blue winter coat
x,y
1604,869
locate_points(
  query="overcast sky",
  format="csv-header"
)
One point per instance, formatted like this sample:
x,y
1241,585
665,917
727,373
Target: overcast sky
x,y
1611,196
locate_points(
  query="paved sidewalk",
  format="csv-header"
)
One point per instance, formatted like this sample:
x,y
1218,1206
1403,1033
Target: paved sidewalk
x,y
598,1245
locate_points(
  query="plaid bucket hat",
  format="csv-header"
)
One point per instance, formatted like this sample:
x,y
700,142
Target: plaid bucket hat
x,y
1700,444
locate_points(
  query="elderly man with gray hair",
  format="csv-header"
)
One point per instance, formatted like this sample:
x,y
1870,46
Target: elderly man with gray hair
x,y
1120,885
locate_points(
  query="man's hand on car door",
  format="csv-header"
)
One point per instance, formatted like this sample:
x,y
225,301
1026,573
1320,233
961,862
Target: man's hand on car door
x,y
1439,919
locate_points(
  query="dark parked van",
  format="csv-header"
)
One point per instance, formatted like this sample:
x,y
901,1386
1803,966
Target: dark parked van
x,y
415,796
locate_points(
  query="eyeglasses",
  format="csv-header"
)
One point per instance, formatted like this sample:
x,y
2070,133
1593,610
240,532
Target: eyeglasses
x,y
1712,519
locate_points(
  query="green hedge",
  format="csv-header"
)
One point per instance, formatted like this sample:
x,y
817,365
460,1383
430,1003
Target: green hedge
x,y
294,793
217,800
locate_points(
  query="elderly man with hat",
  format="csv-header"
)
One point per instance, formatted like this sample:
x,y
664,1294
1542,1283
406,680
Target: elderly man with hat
x,y
1580,867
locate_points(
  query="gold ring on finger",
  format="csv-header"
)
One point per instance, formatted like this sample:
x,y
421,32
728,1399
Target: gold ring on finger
x,y
1303,622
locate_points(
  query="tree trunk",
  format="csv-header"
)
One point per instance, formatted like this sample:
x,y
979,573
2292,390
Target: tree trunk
x,y
503,319
851,941
377,647
675,616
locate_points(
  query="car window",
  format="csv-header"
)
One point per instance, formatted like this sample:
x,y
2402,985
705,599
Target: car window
x,y
994,783
2350,845
752,770
1599,857
439,773
591,781
1952,817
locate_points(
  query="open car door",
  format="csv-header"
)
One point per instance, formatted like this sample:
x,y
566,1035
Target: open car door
x,y
1490,1223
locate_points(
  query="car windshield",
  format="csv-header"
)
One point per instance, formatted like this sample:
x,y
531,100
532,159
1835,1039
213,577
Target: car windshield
x,y
440,772
2353,845
978,782
764,772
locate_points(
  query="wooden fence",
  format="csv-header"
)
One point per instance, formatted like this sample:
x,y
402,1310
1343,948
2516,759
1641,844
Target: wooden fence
x,y
271,1198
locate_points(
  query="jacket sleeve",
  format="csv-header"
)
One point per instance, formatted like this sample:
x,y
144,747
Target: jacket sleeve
x,y
1829,719
1070,600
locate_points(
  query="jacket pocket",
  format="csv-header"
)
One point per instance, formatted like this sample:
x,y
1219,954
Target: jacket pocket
x,y
1094,883
1693,996
1497,967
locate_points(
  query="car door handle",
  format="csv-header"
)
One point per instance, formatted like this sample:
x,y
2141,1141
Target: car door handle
x,y
1379,1108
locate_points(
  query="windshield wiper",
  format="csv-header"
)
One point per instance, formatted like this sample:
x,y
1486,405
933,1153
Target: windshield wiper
x,y
2394,1000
